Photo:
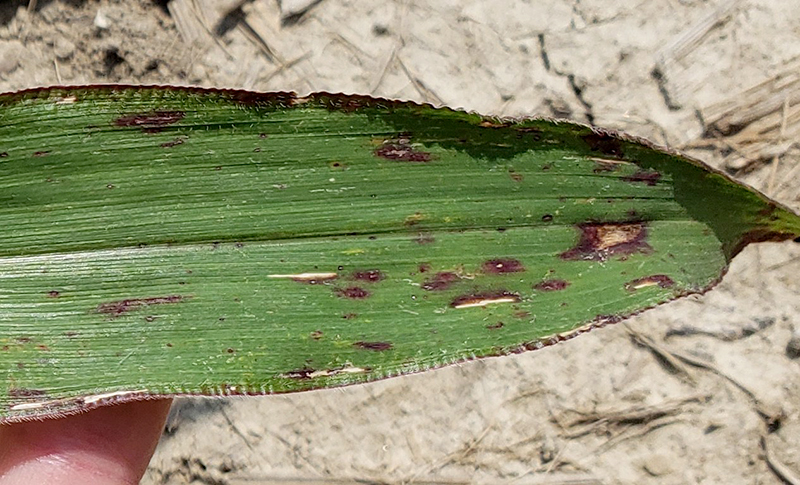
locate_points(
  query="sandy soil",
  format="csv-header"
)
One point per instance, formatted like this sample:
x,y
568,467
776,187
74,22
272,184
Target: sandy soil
x,y
620,405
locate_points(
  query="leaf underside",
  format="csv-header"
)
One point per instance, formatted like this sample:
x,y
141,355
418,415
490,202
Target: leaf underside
x,y
162,241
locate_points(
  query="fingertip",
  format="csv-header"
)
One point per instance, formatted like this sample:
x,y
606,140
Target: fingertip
x,y
108,445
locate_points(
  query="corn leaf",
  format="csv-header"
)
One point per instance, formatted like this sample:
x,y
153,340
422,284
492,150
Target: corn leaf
x,y
162,241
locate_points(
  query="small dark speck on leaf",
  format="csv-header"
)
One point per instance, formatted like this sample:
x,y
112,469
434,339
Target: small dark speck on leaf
x,y
24,340
522,314
117,308
218,168
551,285
304,373
172,143
495,326
547,218
230,350
650,178
3,154
43,348
371,275
515,176
110,186
316,334
257,149
21,393
352,292
502,266
149,318
53,293
797,239
376,346
401,150
41,153
152,120
70,334
349,316
239,245
262,135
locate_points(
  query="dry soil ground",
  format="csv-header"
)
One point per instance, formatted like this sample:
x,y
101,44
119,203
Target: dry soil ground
x,y
620,405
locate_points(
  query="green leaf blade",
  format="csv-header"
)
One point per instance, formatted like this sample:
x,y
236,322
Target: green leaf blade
x,y
171,241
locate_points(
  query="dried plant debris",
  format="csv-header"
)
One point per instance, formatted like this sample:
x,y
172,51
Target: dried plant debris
x,y
218,242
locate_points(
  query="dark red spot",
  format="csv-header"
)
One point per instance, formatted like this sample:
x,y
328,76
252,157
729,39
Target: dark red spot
x,y
371,275
515,176
376,346
304,373
547,218
170,144
117,308
401,150
604,143
502,266
495,326
316,334
352,292
478,298
660,280
441,281
551,285
22,393
150,122
424,268
43,348
424,238
168,344
598,241
41,153
648,177
53,293
24,340
230,350
349,316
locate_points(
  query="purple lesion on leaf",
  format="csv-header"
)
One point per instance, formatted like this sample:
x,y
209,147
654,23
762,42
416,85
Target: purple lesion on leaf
x,y
24,393
151,122
483,298
352,293
401,150
502,266
441,281
604,143
660,280
375,346
370,275
598,241
119,307
173,143
551,285
649,177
